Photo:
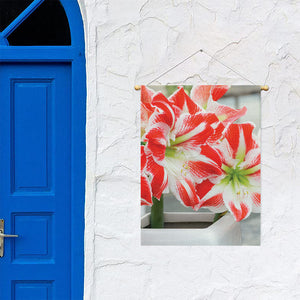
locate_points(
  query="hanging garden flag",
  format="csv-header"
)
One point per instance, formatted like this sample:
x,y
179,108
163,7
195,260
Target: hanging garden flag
x,y
200,144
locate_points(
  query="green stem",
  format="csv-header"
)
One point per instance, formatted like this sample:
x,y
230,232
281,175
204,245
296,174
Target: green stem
x,y
219,216
157,213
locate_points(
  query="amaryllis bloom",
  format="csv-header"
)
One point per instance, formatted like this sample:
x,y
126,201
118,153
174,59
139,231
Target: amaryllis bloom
x,y
238,188
178,139
207,95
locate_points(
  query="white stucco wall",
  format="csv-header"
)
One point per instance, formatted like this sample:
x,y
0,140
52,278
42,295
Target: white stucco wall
x,y
131,42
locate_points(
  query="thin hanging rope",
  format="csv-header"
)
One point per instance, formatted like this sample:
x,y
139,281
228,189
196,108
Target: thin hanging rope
x,y
169,70
236,72
190,56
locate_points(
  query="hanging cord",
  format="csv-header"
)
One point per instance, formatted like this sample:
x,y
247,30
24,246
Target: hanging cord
x,y
183,61
265,87
242,76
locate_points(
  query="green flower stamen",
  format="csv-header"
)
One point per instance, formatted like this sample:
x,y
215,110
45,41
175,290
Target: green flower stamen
x,y
236,176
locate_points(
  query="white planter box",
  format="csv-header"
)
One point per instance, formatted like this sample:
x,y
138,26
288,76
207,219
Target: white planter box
x,y
223,232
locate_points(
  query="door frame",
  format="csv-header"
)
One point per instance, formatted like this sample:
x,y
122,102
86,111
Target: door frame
x,y
75,55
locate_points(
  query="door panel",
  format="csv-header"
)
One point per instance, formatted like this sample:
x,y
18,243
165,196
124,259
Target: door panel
x,y
31,134
35,187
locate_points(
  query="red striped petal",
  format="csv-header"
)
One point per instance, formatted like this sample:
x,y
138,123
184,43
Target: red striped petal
x,y
184,191
165,107
186,123
231,115
159,180
240,138
146,96
217,126
157,150
239,213
211,196
254,180
158,118
194,130
238,201
249,141
226,114
211,118
252,159
143,158
225,153
156,139
145,115
212,154
146,195
211,134
214,202
256,199
218,91
256,202
194,142
200,94
217,134
146,108
255,176
233,136
203,170
207,165
184,102
203,188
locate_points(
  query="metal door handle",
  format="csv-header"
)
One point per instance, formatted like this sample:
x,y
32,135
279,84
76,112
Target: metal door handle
x,y
3,235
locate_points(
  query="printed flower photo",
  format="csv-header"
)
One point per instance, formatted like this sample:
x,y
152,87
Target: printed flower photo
x,y
200,151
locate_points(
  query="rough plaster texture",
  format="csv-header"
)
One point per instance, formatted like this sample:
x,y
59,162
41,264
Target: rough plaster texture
x,y
133,41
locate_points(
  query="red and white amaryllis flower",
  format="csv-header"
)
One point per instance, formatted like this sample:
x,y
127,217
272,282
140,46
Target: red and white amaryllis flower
x,y
207,95
238,188
179,137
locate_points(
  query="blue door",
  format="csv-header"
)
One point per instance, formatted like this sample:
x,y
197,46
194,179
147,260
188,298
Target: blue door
x,y
35,181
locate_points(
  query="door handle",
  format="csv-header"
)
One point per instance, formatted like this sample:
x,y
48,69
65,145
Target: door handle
x,y
4,235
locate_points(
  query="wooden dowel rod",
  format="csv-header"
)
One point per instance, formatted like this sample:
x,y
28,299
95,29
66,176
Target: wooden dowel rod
x,y
262,87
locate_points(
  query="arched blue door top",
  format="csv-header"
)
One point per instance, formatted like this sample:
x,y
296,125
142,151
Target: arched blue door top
x,y
75,21
44,53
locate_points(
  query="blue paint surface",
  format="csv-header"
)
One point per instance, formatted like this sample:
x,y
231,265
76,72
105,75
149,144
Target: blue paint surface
x,y
42,167
32,121
35,178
